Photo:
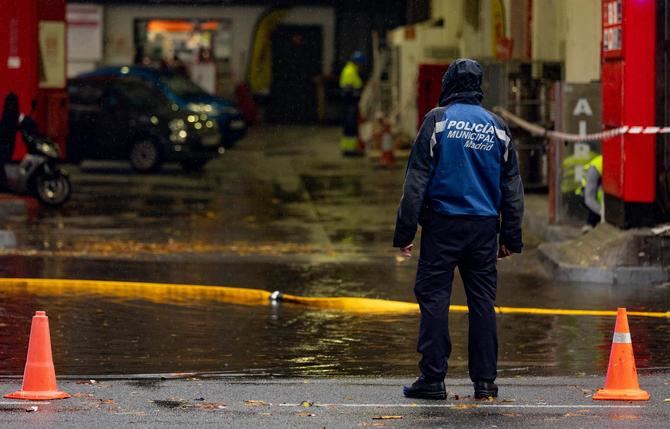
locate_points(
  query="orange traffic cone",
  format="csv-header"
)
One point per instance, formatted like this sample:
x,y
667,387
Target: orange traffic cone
x,y
621,383
39,377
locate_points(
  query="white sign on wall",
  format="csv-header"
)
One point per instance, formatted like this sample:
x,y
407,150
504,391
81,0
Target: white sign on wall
x,y
581,150
52,55
84,38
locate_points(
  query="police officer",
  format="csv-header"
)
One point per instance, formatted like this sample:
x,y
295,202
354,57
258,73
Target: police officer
x,y
351,84
462,185
592,191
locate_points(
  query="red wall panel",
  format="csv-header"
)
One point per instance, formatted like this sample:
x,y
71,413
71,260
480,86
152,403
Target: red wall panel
x,y
19,50
429,85
20,65
628,79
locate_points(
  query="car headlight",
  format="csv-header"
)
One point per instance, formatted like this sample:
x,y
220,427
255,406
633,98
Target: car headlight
x,y
208,109
177,137
177,125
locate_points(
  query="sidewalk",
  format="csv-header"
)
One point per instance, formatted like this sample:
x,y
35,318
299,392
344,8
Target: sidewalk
x,y
333,403
610,255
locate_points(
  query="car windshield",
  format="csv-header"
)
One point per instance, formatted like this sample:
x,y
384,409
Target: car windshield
x,y
181,86
143,97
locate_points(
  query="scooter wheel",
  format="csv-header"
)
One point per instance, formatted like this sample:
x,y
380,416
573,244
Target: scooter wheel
x,y
52,190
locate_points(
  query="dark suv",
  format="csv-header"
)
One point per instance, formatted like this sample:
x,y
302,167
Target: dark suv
x,y
126,118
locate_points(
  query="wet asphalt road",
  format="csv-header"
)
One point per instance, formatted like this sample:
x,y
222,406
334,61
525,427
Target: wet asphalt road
x,y
282,212
289,403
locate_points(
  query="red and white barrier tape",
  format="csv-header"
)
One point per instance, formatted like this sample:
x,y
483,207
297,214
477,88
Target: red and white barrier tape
x,y
539,131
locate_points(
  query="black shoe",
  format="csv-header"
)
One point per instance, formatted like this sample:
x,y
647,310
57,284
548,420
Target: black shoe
x,y
423,388
485,389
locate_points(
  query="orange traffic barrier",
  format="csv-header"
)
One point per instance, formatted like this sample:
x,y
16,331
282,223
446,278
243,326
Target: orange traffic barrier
x,y
621,383
39,377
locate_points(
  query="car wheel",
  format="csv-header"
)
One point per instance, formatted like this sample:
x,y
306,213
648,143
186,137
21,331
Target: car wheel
x,y
145,156
193,165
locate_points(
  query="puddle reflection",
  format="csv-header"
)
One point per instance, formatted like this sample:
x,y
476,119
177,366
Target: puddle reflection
x,y
94,332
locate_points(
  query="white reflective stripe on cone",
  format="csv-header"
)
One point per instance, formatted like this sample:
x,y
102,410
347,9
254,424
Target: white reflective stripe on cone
x,y
622,338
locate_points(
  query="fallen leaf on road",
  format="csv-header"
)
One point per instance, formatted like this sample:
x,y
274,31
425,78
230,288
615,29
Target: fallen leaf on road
x,y
305,414
255,403
107,401
578,413
465,406
387,418
209,406
31,409
625,417
666,400
508,400
306,404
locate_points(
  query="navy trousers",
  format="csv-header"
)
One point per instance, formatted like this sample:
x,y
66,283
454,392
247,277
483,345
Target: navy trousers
x,y
469,243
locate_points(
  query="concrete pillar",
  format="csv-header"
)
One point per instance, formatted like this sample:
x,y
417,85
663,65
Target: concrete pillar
x,y
548,28
452,12
582,40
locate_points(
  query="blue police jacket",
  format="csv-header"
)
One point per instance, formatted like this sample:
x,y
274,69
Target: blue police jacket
x,y
462,163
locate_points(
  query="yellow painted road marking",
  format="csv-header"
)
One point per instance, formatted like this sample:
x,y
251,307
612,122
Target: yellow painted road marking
x,y
185,293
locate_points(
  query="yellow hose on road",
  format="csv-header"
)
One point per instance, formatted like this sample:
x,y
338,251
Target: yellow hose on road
x,y
186,293
355,305
153,292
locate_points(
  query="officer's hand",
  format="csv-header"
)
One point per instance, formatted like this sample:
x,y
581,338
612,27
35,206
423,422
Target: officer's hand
x,y
503,252
407,250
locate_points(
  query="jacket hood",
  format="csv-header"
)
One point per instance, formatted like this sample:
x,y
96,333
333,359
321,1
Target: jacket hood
x,y
462,83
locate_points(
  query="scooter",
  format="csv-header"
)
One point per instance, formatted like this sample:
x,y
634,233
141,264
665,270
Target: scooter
x,y
37,173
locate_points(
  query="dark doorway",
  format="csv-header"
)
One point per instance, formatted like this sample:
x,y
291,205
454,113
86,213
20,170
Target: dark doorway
x,y
297,58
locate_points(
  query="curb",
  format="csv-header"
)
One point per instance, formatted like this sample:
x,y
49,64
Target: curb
x,y
616,275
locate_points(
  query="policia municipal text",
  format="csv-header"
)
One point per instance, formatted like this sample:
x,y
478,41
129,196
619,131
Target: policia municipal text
x,y
462,186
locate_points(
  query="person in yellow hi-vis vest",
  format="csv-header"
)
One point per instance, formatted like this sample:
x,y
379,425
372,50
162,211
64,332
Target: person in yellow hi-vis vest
x,y
592,191
351,85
